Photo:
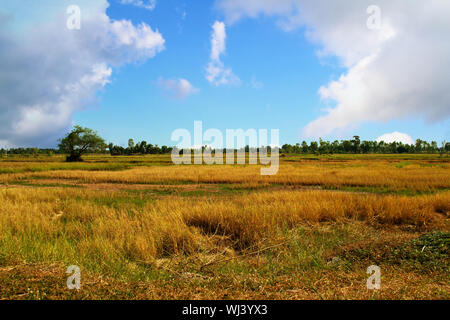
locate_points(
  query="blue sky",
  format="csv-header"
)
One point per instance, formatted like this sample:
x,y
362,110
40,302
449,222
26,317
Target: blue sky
x,y
280,74
284,63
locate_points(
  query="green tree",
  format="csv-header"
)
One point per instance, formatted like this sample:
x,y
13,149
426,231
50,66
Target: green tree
x,y
314,146
304,147
324,146
347,146
419,145
366,147
356,142
434,147
80,141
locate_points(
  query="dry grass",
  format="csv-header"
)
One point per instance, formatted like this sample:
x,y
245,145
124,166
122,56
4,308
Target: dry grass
x,y
38,282
159,223
174,225
372,174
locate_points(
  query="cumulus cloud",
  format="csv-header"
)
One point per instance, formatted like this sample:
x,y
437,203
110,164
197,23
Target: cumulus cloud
x,y
178,89
49,72
398,71
217,73
396,137
149,4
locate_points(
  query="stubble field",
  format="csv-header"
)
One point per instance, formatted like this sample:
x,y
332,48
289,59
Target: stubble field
x,y
142,228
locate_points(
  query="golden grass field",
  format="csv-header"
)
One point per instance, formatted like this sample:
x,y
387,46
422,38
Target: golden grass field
x,y
142,228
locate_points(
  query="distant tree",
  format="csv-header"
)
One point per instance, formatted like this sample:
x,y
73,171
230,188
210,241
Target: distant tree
x,y
314,146
346,146
365,147
324,146
80,141
287,148
402,148
445,148
434,147
426,146
356,142
304,147
335,147
143,147
419,145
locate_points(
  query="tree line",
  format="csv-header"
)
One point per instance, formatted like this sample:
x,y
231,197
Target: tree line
x,y
356,146
84,140
141,147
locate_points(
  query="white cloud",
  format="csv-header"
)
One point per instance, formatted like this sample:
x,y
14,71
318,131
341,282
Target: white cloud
x,y
255,84
218,38
217,73
396,137
146,4
49,72
237,9
398,72
142,38
178,89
